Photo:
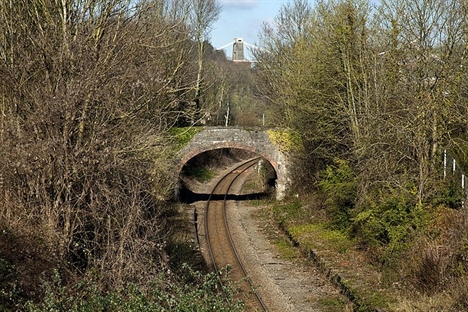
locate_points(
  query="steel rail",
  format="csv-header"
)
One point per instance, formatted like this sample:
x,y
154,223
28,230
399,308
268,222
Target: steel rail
x,y
248,165
241,264
207,234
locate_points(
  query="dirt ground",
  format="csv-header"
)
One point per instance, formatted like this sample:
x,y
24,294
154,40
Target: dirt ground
x,y
283,284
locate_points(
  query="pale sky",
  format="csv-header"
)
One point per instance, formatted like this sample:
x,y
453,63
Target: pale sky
x,y
243,19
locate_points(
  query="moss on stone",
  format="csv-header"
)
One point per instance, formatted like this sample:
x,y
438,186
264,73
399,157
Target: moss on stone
x,y
287,141
183,135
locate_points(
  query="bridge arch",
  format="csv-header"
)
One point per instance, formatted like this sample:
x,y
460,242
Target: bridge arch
x,y
255,141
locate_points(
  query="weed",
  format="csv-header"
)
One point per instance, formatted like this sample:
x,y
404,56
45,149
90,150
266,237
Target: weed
x,y
10,290
332,304
250,186
201,174
285,249
368,300
308,235
260,202
183,254
159,295
287,210
184,135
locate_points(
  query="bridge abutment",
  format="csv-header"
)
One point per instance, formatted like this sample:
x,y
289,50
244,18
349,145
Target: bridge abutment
x,y
255,140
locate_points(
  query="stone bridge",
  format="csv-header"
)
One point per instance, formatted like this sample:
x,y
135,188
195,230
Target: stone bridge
x,y
253,140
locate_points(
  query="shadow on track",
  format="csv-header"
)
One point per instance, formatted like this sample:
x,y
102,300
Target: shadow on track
x,y
189,197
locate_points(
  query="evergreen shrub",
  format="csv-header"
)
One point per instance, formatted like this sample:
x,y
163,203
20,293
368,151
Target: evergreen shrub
x,y
338,183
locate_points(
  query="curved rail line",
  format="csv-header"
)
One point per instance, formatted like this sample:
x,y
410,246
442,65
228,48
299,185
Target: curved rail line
x,y
237,171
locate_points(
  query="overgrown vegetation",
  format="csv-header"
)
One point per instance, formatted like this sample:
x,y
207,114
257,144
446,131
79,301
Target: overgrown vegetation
x,y
407,248
88,93
159,295
377,94
287,141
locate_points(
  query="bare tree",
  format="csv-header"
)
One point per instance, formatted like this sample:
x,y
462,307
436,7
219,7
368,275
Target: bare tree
x,y
421,53
203,13
88,90
316,73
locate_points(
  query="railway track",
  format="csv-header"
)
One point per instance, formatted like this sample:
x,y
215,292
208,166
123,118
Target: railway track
x,y
220,244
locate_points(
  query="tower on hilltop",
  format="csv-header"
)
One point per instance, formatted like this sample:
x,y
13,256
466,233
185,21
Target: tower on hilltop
x,y
238,50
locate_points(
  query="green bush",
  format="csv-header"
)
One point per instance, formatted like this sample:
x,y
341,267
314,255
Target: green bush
x,y
450,193
386,223
205,294
338,183
383,222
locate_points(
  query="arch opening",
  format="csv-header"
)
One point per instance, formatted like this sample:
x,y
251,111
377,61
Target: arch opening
x,y
199,168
